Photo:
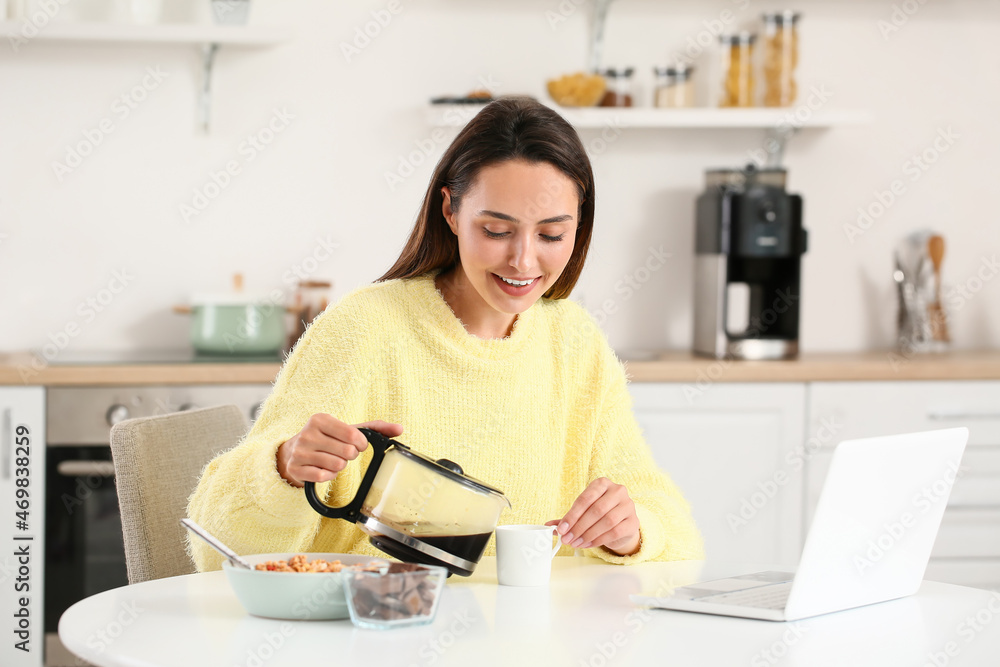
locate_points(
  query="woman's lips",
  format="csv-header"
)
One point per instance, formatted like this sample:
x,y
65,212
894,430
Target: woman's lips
x,y
513,290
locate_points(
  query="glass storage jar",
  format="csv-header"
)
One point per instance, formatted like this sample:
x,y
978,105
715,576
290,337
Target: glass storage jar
x,y
737,69
781,56
619,90
674,87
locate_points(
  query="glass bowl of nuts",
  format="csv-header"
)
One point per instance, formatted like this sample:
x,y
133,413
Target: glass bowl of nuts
x,y
297,586
396,595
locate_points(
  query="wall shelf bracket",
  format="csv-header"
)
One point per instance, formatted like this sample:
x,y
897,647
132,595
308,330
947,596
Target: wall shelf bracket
x,y
208,52
776,141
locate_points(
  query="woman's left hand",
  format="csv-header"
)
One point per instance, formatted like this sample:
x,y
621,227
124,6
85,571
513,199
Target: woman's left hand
x,y
603,516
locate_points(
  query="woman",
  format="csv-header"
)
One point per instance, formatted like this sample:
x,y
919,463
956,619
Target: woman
x,y
470,345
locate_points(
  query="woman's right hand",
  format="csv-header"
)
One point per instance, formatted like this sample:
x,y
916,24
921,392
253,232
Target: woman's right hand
x,y
324,446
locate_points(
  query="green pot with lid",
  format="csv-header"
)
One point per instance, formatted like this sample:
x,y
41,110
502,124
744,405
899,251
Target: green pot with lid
x,y
237,324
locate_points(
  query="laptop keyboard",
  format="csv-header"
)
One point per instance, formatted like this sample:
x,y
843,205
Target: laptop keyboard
x,y
763,597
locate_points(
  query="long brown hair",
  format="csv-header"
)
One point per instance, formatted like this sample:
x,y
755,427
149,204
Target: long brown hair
x,y
509,128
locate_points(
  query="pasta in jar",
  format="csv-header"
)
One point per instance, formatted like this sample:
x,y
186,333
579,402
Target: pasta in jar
x,y
737,70
781,57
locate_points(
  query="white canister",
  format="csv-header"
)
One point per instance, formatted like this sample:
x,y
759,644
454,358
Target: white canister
x,y
13,9
42,12
146,12
138,12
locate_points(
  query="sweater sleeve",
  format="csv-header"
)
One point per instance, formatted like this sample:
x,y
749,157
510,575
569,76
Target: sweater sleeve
x,y
667,528
240,497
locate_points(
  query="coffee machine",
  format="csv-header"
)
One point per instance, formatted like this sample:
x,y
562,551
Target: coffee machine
x,y
749,243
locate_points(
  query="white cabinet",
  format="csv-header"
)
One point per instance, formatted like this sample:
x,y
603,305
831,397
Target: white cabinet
x,y
967,550
22,535
735,452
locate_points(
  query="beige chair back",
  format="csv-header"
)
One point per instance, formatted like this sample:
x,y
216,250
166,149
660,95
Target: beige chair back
x,y
158,462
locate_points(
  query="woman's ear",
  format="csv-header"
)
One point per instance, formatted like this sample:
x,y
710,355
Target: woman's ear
x,y
446,210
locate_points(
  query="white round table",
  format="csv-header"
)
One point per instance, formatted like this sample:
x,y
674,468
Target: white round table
x,y
582,619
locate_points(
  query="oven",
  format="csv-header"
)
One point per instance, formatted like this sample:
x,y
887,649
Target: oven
x,y
84,551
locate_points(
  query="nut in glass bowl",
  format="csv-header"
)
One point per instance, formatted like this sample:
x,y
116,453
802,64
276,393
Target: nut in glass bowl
x,y
402,594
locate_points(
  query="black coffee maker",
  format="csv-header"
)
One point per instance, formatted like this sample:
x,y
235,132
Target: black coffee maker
x,y
748,249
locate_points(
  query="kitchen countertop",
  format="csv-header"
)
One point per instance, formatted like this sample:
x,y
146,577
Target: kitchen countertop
x,y
25,369
883,365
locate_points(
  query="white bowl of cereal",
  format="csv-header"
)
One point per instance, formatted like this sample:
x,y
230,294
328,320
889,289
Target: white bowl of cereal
x,y
296,586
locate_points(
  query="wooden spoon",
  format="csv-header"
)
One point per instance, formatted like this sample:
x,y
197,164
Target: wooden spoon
x,y
939,327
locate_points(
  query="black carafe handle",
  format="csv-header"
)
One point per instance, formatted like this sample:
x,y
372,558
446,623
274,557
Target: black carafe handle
x,y
352,510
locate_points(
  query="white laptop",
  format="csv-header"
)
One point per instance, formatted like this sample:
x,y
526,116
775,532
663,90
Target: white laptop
x,y
870,539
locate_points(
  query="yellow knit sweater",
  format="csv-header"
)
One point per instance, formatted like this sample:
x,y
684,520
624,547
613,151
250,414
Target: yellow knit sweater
x,y
539,414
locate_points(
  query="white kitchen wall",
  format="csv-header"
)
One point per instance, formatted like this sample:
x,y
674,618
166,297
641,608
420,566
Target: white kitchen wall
x,y
346,124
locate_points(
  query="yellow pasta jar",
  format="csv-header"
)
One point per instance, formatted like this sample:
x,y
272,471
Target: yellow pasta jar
x,y
737,69
781,57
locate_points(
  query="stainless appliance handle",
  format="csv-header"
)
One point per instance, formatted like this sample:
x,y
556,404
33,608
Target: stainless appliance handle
x,y
86,468
6,437
940,415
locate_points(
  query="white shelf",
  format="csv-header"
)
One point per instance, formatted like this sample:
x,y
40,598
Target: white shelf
x,y
457,115
167,33
207,37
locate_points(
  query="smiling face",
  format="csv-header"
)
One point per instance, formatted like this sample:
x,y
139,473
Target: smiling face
x,y
516,229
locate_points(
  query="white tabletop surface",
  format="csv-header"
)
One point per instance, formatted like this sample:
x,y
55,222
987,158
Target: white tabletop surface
x,y
582,619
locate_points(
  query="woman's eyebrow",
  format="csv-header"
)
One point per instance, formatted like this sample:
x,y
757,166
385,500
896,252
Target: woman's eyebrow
x,y
509,218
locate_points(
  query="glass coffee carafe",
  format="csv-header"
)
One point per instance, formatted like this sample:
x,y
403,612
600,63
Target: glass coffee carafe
x,y
420,510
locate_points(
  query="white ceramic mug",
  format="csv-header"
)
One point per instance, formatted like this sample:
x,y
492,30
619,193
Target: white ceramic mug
x,y
524,555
